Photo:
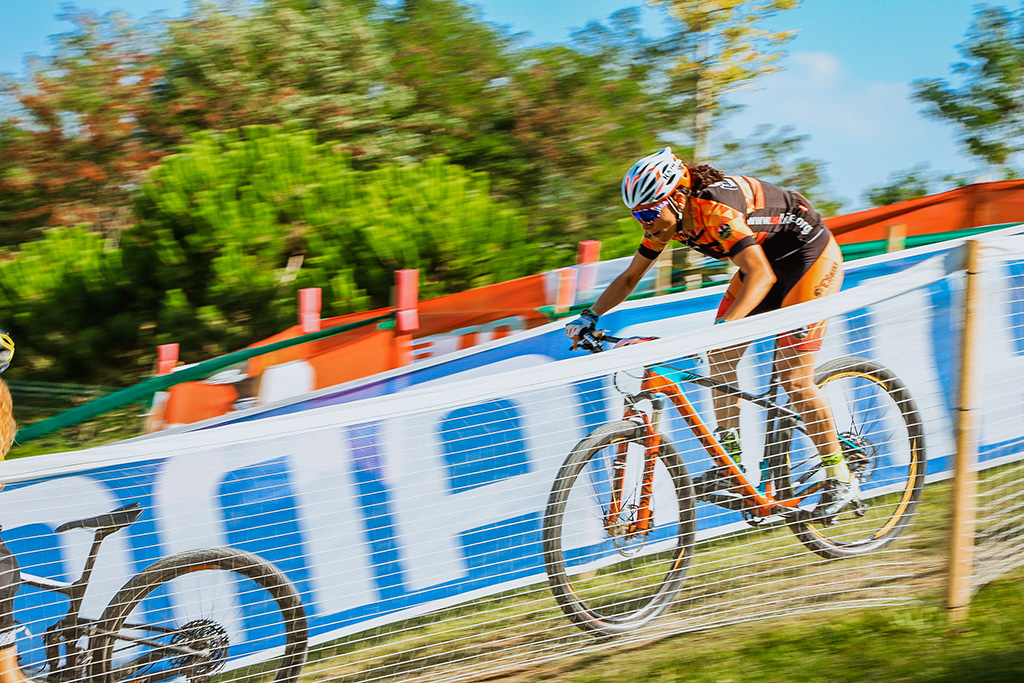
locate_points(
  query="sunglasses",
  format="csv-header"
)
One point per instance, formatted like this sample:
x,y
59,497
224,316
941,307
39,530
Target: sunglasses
x,y
649,215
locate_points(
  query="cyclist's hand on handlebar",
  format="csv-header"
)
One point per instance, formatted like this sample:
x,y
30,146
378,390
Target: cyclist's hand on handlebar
x,y
583,325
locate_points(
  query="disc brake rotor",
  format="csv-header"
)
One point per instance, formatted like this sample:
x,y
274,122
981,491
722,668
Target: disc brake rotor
x,y
205,635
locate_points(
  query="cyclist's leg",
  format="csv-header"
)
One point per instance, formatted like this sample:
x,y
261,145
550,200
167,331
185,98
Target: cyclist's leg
x,y
796,363
798,350
723,364
10,580
797,357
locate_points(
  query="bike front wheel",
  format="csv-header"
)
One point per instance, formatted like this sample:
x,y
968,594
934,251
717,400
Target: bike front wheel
x,y
882,438
608,576
191,616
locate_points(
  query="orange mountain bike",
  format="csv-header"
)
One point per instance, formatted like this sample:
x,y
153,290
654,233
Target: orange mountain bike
x,y
620,524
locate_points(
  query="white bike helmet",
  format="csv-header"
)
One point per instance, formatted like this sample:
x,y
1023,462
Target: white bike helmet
x,y
653,178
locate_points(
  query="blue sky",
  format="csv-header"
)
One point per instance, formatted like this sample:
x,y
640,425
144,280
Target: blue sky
x,y
845,83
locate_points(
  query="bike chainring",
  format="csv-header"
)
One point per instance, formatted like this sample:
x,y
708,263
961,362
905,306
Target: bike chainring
x,y
201,634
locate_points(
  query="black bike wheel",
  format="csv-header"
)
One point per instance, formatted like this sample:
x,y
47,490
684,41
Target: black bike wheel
x,y
196,614
605,579
883,440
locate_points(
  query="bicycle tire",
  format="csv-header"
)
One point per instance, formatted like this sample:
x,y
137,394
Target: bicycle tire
x,y
578,573
274,611
890,462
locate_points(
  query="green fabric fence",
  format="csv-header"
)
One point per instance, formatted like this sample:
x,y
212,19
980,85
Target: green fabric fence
x,y
144,390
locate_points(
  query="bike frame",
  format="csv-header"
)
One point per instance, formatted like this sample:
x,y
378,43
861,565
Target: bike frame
x,y
656,384
66,632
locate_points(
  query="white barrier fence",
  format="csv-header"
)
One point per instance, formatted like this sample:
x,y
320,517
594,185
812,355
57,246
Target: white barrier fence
x,y
412,525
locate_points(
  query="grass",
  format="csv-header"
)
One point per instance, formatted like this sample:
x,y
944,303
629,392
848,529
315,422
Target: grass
x,y
125,423
913,644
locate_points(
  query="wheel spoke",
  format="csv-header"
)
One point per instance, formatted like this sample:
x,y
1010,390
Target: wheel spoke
x,y
198,614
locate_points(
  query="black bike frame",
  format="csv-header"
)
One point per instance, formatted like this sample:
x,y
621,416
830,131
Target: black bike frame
x,y
65,633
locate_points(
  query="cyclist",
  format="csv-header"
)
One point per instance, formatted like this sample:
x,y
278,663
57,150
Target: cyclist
x,y
10,575
785,255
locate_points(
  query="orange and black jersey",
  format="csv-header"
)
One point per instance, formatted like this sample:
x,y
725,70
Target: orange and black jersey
x,y
738,211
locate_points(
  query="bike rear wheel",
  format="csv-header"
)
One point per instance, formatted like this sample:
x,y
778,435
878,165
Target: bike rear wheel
x,y
882,437
194,615
606,579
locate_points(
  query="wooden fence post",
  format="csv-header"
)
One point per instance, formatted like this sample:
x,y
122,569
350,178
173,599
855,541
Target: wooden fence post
x,y
588,253
407,317
309,309
663,271
897,238
965,476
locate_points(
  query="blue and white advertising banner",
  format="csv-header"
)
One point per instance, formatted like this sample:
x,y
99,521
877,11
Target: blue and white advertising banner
x,y
430,491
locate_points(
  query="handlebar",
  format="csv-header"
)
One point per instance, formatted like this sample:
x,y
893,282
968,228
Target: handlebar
x,y
595,340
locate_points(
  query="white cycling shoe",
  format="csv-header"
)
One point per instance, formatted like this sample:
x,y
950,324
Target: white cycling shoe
x,y
835,497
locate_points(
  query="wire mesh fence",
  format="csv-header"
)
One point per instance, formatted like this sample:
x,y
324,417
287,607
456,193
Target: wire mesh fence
x,y
462,530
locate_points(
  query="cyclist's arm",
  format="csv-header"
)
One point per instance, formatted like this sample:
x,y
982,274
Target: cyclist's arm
x,y
758,279
623,285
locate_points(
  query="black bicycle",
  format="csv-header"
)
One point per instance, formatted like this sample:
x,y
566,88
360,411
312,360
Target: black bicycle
x,y
189,616
620,521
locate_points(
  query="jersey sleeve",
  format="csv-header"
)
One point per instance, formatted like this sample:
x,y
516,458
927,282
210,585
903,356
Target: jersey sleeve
x,y
650,248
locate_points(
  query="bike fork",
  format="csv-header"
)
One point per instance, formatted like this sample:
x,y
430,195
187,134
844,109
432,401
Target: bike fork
x,y
652,447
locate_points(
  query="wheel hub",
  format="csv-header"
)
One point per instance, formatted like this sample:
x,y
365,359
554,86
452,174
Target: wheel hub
x,y
859,454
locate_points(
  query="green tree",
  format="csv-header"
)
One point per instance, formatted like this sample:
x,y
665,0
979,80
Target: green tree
x,y
231,64
986,108
73,310
229,229
553,126
235,223
721,46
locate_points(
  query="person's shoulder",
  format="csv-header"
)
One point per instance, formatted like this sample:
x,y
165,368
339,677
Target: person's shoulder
x,y
724,188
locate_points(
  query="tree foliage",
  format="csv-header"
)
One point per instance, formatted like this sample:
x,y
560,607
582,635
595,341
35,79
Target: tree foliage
x,y
771,155
553,126
912,183
323,64
721,46
988,107
73,309
230,228
76,140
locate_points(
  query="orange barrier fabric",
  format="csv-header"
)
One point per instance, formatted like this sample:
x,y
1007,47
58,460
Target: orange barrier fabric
x,y
194,401
484,305
258,364
472,316
966,207
363,352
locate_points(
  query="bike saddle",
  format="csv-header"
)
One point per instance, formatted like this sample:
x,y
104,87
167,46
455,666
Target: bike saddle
x,y
109,521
